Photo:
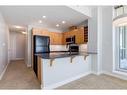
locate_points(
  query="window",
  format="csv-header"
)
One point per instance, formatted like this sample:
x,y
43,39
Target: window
x,y
119,10
122,48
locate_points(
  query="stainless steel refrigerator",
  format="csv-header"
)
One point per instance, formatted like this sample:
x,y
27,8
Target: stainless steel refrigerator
x,y
41,44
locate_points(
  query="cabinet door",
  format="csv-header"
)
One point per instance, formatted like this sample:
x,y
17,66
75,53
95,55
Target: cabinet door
x,y
59,38
80,36
40,32
45,33
85,34
39,72
64,38
65,35
36,31
51,38
78,33
56,38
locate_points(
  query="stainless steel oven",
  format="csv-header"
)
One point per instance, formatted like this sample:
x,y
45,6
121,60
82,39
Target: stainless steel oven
x,y
73,48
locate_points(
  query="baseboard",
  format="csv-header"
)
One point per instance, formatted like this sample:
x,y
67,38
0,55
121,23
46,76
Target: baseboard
x,y
29,65
17,59
53,86
1,75
115,75
97,73
78,77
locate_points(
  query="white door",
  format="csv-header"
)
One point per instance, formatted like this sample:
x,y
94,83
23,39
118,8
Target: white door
x,y
17,46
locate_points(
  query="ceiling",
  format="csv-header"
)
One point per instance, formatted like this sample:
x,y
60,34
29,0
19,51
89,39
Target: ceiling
x,y
27,15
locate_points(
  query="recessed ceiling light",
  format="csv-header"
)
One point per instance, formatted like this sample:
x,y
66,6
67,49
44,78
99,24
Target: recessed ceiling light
x,y
63,22
23,32
17,26
44,16
40,21
57,25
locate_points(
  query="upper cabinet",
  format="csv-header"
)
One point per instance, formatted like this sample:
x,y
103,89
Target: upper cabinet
x,y
37,31
85,34
80,33
55,37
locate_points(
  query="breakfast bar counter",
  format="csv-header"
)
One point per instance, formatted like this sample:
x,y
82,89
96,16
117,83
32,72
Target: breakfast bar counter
x,y
62,54
58,68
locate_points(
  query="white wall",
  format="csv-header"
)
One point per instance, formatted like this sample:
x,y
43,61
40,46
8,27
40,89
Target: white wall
x,y
92,31
28,60
107,47
63,71
86,10
99,40
107,43
93,38
4,34
17,45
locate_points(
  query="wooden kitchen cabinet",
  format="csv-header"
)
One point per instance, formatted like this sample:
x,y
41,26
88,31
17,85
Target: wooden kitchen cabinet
x,y
40,32
80,36
55,37
78,33
86,34
39,71
59,38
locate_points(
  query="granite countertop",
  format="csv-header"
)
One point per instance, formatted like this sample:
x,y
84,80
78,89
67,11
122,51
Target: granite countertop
x,y
62,54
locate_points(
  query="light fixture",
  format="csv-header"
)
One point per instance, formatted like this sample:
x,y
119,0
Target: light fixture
x,y
18,27
44,17
63,22
57,25
120,20
40,21
24,32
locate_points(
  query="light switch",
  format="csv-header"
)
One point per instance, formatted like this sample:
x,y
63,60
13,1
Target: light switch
x,y
3,44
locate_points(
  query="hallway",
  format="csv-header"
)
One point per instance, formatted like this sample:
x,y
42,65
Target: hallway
x,y
18,76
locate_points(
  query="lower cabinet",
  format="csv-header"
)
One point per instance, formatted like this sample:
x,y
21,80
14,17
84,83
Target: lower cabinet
x,y
39,69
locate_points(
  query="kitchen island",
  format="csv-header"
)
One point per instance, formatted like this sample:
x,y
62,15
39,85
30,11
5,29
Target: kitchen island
x,y
58,68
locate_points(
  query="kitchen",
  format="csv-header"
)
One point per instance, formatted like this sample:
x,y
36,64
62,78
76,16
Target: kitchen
x,y
70,60
52,41
59,48
67,48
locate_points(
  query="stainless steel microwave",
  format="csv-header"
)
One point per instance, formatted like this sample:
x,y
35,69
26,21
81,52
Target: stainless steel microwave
x,y
70,39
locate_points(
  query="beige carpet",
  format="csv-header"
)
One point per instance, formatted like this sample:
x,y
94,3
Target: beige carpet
x,y
96,82
18,76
